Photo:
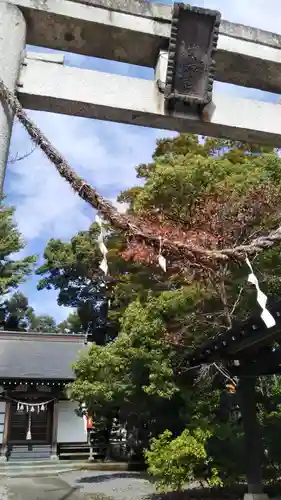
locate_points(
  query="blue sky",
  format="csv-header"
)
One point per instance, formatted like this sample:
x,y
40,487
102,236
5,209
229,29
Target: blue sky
x,y
102,152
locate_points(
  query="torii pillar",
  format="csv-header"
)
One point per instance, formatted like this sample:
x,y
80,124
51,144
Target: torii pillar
x,y
12,44
252,439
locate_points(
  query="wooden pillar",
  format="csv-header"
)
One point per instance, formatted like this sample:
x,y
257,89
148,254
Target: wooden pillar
x,y
252,435
4,447
55,431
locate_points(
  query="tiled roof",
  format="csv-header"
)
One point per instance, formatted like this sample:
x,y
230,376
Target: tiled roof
x,y
38,355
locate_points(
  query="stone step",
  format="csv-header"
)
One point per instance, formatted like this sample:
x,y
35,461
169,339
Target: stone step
x,y
37,464
51,468
30,456
33,446
35,473
40,452
30,453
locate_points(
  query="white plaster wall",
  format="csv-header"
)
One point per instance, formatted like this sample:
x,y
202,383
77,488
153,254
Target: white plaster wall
x,y
71,428
2,419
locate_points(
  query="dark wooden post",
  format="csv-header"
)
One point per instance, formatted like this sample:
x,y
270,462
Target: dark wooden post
x,y
252,434
4,447
54,454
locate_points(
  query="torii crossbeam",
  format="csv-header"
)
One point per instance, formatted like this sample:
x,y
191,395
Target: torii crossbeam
x,y
138,33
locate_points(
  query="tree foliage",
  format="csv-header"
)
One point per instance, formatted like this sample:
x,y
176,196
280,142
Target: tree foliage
x,y
42,323
12,271
15,311
215,193
71,324
212,194
17,315
72,269
177,461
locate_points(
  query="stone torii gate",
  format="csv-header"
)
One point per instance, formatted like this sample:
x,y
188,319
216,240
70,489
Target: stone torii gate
x,y
146,35
137,33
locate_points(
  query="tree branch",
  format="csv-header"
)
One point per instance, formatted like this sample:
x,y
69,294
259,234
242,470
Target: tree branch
x,y
22,157
237,301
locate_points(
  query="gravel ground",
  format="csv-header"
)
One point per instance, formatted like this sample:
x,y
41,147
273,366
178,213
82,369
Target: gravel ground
x,y
94,485
100,486
110,485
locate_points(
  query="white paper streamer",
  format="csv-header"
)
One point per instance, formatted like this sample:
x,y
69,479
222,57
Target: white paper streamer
x,y
261,298
85,423
103,265
28,434
161,260
32,407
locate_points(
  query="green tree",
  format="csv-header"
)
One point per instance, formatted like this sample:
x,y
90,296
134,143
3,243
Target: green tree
x,y
212,194
72,269
175,462
42,323
12,271
15,313
71,324
14,310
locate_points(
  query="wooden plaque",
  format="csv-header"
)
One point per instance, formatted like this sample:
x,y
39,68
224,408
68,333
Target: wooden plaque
x,y
191,65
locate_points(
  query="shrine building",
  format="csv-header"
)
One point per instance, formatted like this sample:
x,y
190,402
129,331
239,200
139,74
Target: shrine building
x,y
37,420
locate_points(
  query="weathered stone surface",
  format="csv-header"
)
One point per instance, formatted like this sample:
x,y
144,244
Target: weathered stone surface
x,y
79,486
256,496
38,489
137,7
105,96
116,29
12,43
164,13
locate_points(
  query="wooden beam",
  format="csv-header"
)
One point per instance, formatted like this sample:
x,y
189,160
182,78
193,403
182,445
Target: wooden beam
x,y
93,94
246,56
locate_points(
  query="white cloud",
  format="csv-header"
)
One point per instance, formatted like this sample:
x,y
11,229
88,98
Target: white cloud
x,y
45,203
46,206
104,154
